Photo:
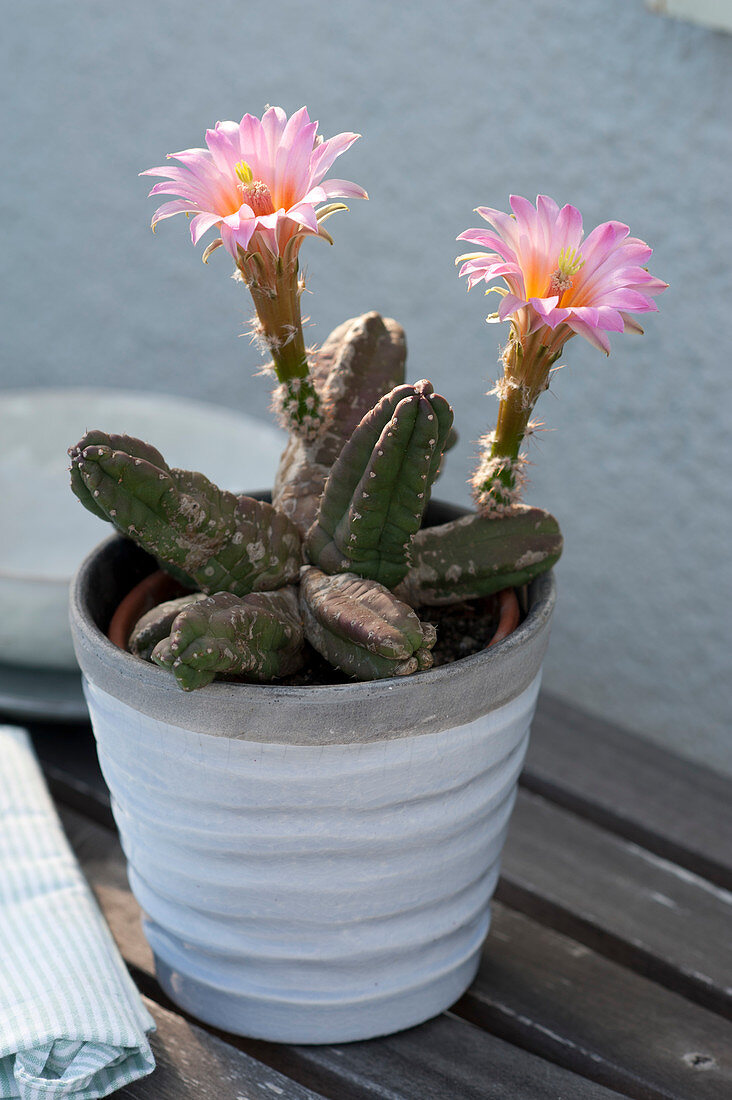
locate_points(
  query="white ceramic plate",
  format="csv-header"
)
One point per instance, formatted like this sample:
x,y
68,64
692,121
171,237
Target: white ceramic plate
x,y
46,532
41,693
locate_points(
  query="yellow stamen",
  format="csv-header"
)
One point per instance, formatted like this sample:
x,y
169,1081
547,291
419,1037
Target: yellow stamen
x,y
244,172
569,262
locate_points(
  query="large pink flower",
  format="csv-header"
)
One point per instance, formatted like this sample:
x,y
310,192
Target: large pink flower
x,y
256,176
558,278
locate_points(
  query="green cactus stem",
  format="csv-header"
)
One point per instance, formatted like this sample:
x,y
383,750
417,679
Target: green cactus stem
x,y
135,448
156,624
276,288
360,361
498,479
208,538
258,637
476,555
361,627
379,487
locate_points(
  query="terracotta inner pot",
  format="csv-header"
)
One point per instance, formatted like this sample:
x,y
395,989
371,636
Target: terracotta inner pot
x,y
159,587
509,615
147,594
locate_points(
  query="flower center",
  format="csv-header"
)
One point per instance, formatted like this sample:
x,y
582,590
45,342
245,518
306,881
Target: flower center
x,y
255,193
569,262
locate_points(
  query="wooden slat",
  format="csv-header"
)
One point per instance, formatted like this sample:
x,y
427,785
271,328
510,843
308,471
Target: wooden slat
x,y
672,806
445,1058
621,900
98,851
68,757
540,989
193,1065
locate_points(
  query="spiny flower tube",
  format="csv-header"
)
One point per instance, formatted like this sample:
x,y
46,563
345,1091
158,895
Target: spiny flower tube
x,y
558,283
261,183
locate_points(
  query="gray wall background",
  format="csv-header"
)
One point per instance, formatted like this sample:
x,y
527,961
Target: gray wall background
x,y
602,104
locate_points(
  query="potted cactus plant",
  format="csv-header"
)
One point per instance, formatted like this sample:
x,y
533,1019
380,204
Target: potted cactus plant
x,y
315,855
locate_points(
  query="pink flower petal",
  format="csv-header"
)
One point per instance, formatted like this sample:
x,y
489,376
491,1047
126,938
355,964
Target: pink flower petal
x,y
281,154
324,155
651,285
201,224
599,280
488,240
254,148
601,241
509,304
631,325
545,306
630,300
294,127
304,215
609,319
568,229
526,214
241,235
223,144
595,336
545,309
169,209
547,209
342,189
501,267
292,165
273,127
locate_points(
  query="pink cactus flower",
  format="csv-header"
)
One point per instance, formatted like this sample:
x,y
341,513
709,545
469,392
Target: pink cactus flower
x,y
557,279
256,177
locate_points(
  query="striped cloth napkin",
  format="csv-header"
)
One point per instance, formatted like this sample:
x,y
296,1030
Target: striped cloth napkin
x,y
71,1021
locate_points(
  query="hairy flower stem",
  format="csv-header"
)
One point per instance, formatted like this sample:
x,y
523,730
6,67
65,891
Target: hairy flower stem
x,y
526,365
275,289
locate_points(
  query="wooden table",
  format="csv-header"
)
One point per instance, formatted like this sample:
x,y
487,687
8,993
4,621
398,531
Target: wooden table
x,y
607,971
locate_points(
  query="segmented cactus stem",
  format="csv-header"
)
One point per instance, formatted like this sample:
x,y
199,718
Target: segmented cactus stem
x,y
360,361
360,627
257,637
208,538
379,487
477,555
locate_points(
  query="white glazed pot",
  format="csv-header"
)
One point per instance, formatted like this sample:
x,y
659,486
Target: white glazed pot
x,y
315,864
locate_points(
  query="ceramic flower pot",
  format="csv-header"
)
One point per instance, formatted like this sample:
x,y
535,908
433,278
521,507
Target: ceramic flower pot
x,y
315,864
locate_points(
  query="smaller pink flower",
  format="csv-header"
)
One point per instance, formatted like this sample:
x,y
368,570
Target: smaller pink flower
x,y
256,176
558,277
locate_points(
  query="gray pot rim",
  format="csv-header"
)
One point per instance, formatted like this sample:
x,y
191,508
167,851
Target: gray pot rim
x,y
426,702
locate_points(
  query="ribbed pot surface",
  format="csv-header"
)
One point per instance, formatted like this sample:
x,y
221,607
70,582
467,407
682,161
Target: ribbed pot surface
x,y
313,894
329,881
